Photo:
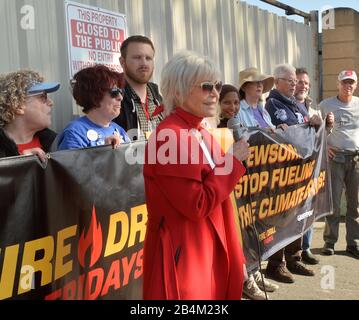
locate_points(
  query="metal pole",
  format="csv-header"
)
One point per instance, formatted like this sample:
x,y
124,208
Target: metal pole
x,y
289,10
317,72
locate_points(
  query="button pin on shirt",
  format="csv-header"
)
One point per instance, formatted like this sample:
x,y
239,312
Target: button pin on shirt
x,y
92,135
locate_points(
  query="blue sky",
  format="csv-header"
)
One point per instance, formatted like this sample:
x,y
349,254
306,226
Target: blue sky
x,y
305,5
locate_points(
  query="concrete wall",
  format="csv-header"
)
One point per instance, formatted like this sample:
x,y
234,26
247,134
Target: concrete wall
x,y
340,48
234,34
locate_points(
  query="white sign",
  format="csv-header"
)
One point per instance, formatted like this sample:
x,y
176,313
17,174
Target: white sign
x,y
94,36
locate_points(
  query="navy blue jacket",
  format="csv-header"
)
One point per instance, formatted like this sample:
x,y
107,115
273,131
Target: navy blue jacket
x,y
285,110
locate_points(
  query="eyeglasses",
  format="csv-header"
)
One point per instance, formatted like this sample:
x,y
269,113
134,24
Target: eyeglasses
x,y
41,95
290,81
115,92
208,86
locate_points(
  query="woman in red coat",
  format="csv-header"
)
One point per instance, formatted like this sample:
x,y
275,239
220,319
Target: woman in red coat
x,y
192,249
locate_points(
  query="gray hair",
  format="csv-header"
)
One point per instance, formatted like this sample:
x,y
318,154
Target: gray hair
x,y
179,75
281,70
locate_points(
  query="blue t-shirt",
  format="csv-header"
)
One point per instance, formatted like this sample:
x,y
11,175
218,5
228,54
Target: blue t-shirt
x,y
83,133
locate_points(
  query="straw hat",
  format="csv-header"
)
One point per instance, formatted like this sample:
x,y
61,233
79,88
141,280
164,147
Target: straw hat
x,y
253,75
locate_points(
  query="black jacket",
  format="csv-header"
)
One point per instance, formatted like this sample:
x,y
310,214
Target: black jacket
x,y
128,116
8,147
284,110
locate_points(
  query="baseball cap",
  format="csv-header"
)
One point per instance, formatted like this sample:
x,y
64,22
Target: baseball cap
x,y
347,74
37,87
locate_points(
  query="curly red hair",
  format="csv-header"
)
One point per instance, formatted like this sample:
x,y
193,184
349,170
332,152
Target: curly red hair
x,y
91,84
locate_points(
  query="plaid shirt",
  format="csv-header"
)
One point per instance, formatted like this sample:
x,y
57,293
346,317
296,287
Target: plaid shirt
x,y
146,125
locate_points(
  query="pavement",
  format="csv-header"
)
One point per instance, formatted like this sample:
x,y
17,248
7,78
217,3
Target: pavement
x,y
336,277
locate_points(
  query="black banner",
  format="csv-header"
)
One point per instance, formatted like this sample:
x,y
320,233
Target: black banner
x,y
74,227
286,189
77,224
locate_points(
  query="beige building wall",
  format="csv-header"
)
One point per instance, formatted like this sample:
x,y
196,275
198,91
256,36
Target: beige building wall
x,y
340,48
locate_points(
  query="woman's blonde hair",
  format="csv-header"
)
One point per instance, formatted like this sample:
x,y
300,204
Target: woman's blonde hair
x,y
13,91
181,73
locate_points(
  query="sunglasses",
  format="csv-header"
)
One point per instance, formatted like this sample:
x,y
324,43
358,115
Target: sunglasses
x,y
115,92
42,96
208,86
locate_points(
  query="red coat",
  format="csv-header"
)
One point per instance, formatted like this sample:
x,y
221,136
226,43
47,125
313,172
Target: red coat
x,y
191,249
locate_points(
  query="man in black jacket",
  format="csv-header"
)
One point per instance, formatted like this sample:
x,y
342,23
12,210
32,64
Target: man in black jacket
x,y
25,114
141,106
283,108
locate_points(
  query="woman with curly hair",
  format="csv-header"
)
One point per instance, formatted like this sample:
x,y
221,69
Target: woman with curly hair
x,y
25,114
98,90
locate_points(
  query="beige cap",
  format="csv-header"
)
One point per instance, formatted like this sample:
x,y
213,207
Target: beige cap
x,y
253,75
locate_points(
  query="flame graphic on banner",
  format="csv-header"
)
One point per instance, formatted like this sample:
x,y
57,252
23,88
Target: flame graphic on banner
x,y
93,239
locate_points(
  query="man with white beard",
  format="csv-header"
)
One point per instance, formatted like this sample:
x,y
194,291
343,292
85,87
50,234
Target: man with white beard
x,y
141,105
301,94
